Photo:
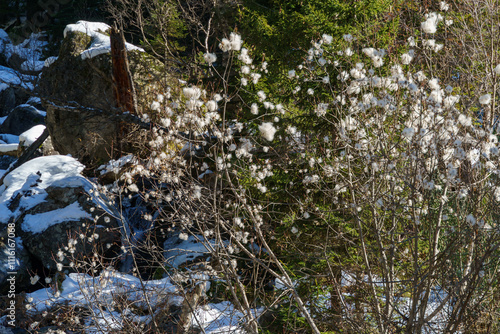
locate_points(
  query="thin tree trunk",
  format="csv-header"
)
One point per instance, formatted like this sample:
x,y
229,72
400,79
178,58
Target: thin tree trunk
x,y
123,85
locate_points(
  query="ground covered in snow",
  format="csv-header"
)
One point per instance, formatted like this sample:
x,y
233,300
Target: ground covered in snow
x,y
117,300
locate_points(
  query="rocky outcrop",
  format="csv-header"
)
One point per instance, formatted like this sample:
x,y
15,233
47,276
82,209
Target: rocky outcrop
x,y
58,216
91,135
87,127
4,41
69,226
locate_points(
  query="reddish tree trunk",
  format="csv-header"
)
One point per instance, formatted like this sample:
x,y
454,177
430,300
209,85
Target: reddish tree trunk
x,y
123,86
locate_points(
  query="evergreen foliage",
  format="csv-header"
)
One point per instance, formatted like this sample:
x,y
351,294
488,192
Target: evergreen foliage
x,y
280,29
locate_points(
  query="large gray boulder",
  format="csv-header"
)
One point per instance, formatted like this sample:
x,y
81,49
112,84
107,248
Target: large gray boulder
x,y
88,134
77,92
59,215
69,226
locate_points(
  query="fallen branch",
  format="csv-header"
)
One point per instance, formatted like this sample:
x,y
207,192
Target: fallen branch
x,y
27,154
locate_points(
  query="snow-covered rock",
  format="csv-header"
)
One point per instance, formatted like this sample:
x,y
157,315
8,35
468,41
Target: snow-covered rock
x,y
9,76
56,208
30,136
14,88
8,148
32,65
25,55
4,40
100,43
69,217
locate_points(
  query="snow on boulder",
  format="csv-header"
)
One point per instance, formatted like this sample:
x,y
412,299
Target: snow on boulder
x,y
49,61
8,138
4,39
98,296
10,149
14,88
28,182
38,223
30,50
82,290
29,137
55,208
100,42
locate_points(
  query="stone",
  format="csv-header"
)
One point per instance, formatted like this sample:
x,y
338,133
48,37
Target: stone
x,y
79,237
4,41
22,118
55,208
87,127
89,135
7,100
18,262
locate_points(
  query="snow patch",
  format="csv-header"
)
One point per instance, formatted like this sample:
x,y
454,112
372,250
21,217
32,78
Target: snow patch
x,y
219,318
40,222
99,294
31,49
115,165
35,100
4,148
178,251
10,77
39,112
33,65
4,37
49,61
8,138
